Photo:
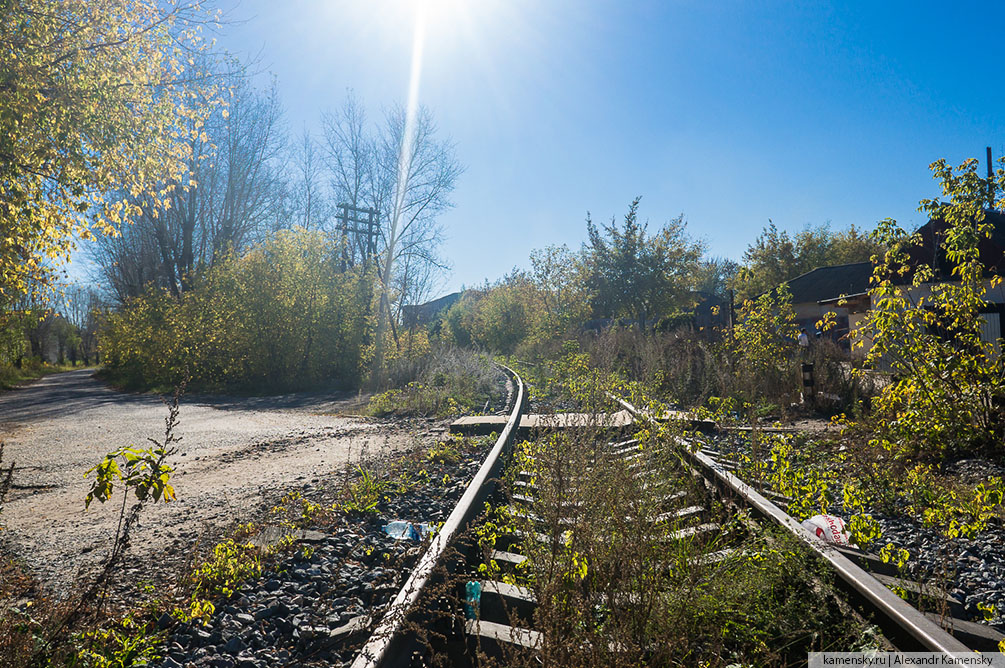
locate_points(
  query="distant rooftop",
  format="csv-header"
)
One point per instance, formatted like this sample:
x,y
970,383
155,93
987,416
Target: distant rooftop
x,y
830,282
420,314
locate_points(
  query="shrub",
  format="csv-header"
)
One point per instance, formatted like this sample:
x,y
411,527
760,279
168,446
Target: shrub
x,y
678,365
760,349
617,587
949,382
282,317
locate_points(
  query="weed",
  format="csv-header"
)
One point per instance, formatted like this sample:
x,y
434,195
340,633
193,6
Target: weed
x,y
296,511
140,471
78,630
965,511
365,493
128,642
615,588
230,564
453,449
898,556
447,381
496,523
446,452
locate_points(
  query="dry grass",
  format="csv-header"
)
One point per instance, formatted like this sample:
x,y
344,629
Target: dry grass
x,y
447,381
617,588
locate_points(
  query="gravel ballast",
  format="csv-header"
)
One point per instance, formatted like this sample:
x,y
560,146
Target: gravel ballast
x,y
316,605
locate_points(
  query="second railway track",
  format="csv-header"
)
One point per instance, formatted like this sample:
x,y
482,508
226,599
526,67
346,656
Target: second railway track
x,y
471,597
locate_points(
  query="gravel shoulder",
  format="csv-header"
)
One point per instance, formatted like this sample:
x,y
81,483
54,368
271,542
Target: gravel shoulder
x,y
235,456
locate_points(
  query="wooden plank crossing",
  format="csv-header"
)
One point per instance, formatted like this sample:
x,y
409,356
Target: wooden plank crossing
x,y
486,424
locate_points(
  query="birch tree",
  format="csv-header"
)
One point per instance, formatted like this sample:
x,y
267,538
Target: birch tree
x,y
406,173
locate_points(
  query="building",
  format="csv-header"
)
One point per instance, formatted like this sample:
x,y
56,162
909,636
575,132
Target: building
x,y
818,292
844,289
423,314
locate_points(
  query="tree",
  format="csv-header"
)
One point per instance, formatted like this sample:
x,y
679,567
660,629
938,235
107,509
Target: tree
x,y
312,208
459,320
414,177
81,308
13,345
715,274
560,301
282,316
769,261
93,115
236,198
350,153
636,275
949,384
406,174
776,257
249,182
502,315
760,348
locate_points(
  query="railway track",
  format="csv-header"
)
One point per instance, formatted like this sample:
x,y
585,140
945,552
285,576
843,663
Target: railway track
x,y
393,642
698,512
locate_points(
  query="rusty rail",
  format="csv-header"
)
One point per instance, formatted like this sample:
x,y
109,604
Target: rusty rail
x,y
896,617
388,645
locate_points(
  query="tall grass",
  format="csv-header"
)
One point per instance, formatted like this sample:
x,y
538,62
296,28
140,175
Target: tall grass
x,y
445,381
617,587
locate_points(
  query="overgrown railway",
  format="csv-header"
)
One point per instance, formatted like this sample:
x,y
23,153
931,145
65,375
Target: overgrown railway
x,y
465,598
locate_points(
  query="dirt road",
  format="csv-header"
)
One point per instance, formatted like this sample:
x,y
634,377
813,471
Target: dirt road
x,y
235,455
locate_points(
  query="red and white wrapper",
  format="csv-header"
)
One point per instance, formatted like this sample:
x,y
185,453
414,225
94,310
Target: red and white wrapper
x,y
827,528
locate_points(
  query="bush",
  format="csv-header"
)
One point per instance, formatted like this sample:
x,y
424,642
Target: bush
x,y
524,312
679,365
760,349
496,318
754,363
949,383
845,389
282,317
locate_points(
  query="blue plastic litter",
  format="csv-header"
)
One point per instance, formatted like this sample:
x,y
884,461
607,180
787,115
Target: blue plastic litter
x,y
472,599
401,530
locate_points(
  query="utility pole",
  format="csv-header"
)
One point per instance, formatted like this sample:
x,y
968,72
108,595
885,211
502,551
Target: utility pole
x,y
362,225
991,183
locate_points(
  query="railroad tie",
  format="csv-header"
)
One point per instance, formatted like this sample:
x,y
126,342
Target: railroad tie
x,y
504,633
511,558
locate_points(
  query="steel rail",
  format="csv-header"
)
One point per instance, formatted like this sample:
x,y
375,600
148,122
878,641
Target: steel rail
x,y
922,633
387,646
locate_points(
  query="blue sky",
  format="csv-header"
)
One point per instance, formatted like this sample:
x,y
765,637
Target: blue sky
x,y
730,112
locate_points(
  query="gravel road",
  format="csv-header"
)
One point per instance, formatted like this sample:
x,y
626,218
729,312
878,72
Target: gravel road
x,y
235,456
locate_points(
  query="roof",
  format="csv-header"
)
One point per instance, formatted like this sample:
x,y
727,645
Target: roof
x,y
420,314
932,233
830,282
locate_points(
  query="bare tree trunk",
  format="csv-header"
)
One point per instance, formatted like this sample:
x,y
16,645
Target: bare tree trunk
x,y
167,261
383,313
187,234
